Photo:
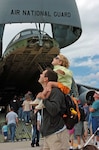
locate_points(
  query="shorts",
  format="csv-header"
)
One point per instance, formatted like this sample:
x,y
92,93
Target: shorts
x,y
95,124
85,125
5,133
63,88
55,141
71,136
79,129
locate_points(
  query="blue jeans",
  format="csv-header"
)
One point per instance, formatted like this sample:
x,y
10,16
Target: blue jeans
x,y
20,113
12,128
36,134
95,124
27,116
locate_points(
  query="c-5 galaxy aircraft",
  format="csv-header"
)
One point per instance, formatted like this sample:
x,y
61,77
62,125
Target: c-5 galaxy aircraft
x,y
32,50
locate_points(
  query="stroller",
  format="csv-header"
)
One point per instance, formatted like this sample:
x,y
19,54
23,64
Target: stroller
x,y
87,146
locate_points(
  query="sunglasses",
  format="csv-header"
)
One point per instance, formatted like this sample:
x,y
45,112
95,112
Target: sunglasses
x,y
57,57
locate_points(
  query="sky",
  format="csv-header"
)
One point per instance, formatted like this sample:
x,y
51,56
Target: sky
x,y
84,53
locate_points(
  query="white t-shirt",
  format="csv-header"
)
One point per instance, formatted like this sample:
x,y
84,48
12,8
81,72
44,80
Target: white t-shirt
x,y
38,117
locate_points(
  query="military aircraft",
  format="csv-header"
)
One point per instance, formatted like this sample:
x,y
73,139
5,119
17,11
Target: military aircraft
x,y
32,50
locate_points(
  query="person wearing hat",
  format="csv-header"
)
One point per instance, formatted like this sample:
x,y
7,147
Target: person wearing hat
x,y
94,109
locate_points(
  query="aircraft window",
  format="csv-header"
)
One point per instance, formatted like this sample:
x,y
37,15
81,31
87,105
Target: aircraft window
x,y
25,33
16,37
36,32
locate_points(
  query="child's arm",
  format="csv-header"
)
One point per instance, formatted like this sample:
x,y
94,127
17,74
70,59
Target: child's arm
x,y
50,85
46,92
60,72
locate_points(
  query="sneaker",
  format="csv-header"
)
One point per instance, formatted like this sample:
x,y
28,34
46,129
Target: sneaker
x,y
79,147
37,144
71,148
26,124
29,121
35,102
98,147
32,145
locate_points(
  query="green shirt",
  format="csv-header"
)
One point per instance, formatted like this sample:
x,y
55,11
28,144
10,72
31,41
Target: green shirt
x,y
65,79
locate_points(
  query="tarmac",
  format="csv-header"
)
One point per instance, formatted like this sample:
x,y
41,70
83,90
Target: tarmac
x,y
21,145
25,145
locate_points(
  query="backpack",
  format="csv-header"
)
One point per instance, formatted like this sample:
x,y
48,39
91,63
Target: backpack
x,y
71,114
82,113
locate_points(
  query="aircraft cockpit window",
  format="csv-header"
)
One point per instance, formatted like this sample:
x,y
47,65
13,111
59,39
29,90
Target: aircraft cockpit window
x,y
36,33
26,33
16,37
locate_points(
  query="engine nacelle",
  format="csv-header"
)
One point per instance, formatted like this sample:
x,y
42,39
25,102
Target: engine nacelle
x,y
85,95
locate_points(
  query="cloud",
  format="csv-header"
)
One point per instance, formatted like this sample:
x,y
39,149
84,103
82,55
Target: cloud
x,y
86,61
84,53
90,79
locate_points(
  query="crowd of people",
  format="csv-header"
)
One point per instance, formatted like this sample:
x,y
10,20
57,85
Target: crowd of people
x,y
50,101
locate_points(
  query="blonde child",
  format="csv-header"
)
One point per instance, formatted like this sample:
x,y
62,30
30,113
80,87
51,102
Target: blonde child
x,y
61,66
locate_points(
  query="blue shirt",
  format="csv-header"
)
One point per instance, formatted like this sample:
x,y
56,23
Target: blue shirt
x,y
95,106
5,128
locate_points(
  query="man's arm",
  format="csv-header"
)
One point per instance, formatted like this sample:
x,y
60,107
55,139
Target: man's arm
x,y
17,120
6,119
91,109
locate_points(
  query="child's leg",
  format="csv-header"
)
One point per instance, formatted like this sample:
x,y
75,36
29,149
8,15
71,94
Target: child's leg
x,y
35,102
40,106
63,88
45,94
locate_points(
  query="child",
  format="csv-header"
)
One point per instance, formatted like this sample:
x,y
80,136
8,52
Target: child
x,y
61,65
5,131
71,138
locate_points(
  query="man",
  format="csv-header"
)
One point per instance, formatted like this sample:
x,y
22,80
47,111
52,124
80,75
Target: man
x,y
94,109
12,120
53,128
36,122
